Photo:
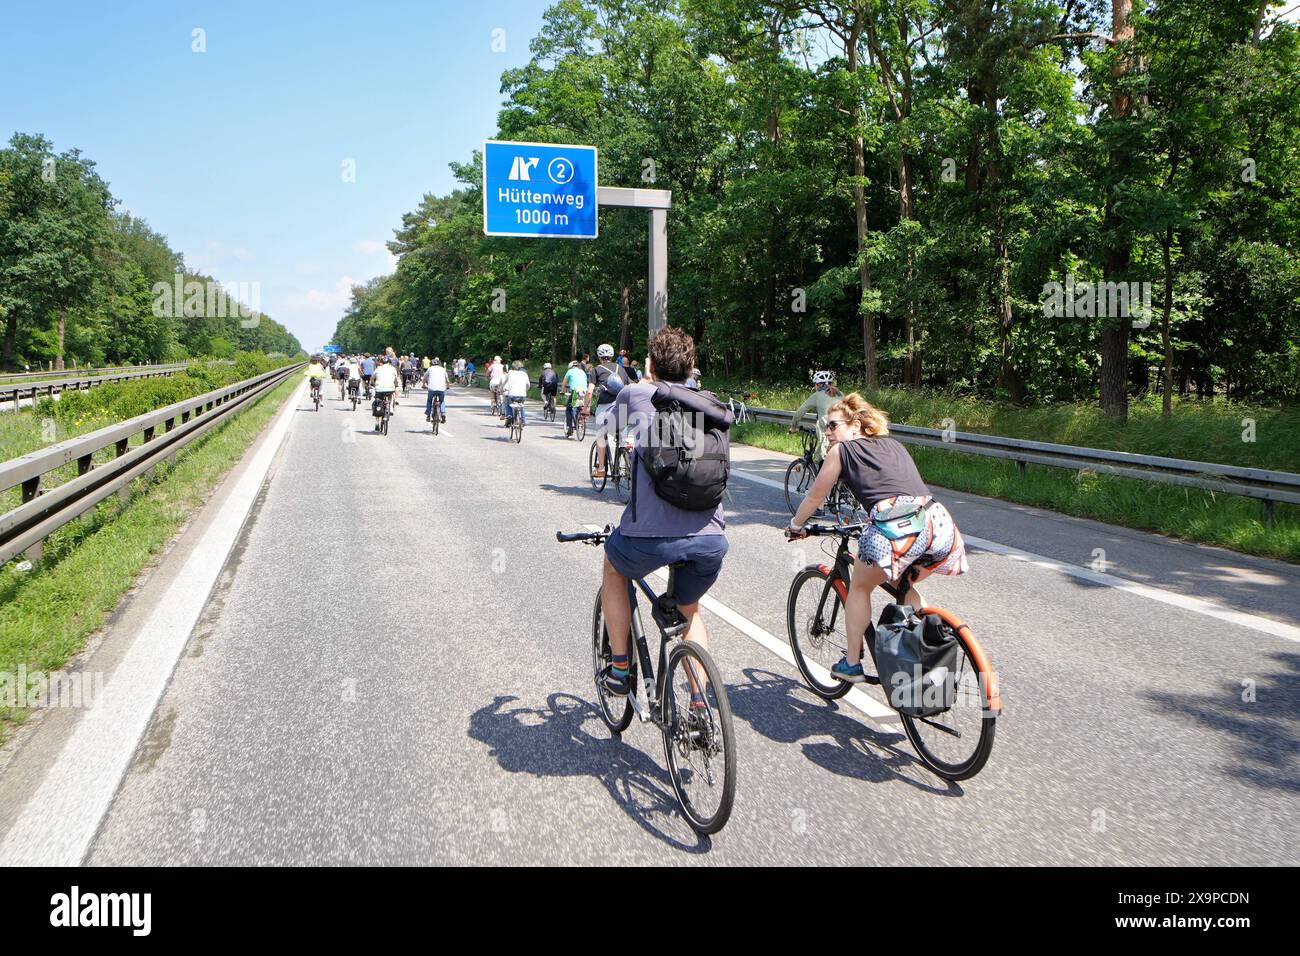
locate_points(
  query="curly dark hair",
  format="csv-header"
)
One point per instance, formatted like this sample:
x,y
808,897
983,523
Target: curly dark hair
x,y
673,353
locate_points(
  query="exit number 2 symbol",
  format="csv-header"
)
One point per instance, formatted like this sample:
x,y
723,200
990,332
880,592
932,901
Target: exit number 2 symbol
x,y
560,170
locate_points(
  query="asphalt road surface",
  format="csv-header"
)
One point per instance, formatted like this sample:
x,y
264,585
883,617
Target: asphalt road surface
x,y
394,669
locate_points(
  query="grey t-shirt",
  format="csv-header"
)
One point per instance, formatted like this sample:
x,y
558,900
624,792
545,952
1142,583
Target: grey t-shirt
x,y
655,518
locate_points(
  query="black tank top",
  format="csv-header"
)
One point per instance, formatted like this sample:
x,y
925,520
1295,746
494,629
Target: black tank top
x,y
879,468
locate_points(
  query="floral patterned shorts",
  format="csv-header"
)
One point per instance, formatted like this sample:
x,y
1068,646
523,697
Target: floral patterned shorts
x,y
939,546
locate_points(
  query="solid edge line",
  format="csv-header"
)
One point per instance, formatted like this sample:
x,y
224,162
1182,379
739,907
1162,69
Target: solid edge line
x,y
61,819
1288,632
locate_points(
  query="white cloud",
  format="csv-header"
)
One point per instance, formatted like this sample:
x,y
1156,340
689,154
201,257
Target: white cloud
x,y
373,247
335,299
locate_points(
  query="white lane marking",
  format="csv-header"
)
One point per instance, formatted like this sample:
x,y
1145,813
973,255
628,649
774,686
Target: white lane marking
x,y
59,822
1287,632
858,698
1265,625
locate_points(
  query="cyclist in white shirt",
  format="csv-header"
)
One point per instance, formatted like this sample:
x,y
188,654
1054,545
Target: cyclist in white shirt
x,y
516,386
435,380
385,383
497,379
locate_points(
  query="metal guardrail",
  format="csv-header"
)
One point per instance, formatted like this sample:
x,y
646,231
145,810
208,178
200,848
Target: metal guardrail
x,y
46,509
1266,486
17,378
51,386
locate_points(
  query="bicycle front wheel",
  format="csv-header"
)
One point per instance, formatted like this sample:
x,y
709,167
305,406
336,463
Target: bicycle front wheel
x,y
816,621
615,711
699,742
798,479
956,744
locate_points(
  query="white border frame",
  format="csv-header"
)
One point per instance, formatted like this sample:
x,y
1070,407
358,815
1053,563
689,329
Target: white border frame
x,y
595,162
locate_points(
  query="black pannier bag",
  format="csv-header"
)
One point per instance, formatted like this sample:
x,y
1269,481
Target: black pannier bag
x,y
916,659
377,407
688,452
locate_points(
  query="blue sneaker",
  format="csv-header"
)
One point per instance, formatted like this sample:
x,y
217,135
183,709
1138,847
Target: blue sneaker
x,y
850,673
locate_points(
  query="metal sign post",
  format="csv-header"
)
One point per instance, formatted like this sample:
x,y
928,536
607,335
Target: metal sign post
x,y
545,191
658,202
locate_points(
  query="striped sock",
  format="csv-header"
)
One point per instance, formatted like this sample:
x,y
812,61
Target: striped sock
x,y
618,665
697,700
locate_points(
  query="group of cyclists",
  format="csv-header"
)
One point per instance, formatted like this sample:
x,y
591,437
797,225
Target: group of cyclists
x,y
852,446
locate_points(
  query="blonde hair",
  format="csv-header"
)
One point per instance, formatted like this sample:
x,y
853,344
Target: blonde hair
x,y
855,408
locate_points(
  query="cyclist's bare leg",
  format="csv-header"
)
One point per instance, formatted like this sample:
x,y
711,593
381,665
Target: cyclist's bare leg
x,y
857,608
618,612
601,448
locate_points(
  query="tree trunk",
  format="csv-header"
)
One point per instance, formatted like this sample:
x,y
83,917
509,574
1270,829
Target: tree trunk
x,y
870,373
626,318
11,336
63,326
1114,336
1166,409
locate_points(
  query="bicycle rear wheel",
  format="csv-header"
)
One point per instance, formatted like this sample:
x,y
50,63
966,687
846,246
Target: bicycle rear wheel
x,y
437,414
798,479
596,483
622,475
815,620
517,430
615,711
699,743
956,743
580,429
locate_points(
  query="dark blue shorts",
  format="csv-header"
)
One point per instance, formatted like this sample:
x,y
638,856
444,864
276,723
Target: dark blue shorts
x,y
703,554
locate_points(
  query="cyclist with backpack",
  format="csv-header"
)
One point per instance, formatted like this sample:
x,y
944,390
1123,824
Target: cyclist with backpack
x,y
675,513
575,386
607,380
905,525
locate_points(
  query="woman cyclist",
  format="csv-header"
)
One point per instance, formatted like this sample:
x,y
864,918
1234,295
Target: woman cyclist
x,y
824,395
883,477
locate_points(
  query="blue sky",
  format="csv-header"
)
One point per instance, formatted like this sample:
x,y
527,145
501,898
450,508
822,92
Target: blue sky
x,y
236,154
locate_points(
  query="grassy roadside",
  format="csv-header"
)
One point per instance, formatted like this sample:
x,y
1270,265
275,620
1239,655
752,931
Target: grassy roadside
x,y
47,614
1225,520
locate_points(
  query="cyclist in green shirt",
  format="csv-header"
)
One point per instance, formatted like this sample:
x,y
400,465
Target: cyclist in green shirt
x,y
575,383
824,395
316,372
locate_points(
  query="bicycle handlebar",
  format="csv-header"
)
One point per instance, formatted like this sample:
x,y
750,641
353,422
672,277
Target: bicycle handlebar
x,y
843,530
590,537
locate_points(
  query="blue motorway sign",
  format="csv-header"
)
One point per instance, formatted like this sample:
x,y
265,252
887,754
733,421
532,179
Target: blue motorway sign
x,y
332,348
539,190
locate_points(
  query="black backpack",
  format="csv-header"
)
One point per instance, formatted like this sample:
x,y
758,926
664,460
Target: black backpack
x,y
688,450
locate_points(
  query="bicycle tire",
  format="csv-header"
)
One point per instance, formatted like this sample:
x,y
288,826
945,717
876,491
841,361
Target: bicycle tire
x,y
798,479
804,642
622,475
435,420
591,470
617,712
580,429
971,765
720,739
517,431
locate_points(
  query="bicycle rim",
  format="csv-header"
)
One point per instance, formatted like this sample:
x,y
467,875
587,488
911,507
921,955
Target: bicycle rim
x,y
615,711
818,632
796,484
950,757
622,476
597,483
699,745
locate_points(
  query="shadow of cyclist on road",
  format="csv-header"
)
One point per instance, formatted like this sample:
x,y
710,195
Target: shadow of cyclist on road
x,y
783,710
567,738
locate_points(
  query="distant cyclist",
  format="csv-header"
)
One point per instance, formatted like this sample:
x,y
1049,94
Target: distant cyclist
x,y
608,379
516,389
316,372
435,380
385,384
497,380
549,383
824,395
575,387
368,365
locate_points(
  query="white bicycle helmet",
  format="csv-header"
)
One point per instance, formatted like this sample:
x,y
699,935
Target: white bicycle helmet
x,y
823,378
547,365
605,352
